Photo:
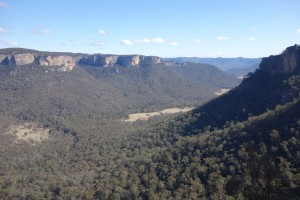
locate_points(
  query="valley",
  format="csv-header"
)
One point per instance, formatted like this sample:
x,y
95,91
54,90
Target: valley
x,y
220,137
145,116
149,100
222,91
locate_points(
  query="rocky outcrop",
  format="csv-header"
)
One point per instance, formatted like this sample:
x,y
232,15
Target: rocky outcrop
x,y
23,58
60,62
152,60
287,62
99,60
102,60
3,58
128,61
65,63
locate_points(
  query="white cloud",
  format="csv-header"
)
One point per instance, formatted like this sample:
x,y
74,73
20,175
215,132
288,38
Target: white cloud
x,y
158,40
3,4
251,38
102,32
127,42
41,30
8,43
174,44
197,41
142,41
3,30
298,31
222,38
47,31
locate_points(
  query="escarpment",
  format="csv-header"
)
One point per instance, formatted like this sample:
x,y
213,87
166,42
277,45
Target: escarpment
x,y
287,62
102,60
67,61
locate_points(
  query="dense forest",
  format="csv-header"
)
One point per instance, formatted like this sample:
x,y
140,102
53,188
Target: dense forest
x,y
242,145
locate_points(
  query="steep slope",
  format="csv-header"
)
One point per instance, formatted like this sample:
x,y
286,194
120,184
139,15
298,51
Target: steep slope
x,y
64,88
252,153
256,159
206,74
154,85
274,83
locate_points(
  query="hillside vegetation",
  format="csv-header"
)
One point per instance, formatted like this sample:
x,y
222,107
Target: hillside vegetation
x,y
242,145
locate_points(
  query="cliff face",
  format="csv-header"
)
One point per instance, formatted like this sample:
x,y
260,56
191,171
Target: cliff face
x,y
287,62
101,60
62,63
151,59
128,61
98,60
67,61
3,59
23,59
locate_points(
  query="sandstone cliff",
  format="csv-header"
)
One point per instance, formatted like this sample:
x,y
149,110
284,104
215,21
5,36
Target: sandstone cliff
x,y
151,60
23,59
128,61
67,61
60,62
102,60
98,60
3,58
287,62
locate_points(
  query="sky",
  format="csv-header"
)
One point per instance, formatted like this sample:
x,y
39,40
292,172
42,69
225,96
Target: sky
x,y
165,28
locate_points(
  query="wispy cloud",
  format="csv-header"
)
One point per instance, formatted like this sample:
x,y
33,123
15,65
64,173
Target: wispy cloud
x,y
222,38
126,42
41,30
251,38
102,32
142,41
158,40
298,31
174,44
197,41
3,4
8,43
4,30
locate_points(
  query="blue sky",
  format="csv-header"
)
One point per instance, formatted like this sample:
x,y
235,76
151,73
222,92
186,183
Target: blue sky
x,y
166,28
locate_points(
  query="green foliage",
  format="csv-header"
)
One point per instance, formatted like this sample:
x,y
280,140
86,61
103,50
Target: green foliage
x,y
242,145
256,94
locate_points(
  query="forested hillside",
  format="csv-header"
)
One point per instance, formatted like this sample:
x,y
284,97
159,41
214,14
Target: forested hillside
x,y
242,145
61,89
206,74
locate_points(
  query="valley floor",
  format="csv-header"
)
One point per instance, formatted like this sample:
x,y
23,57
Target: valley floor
x,y
145,116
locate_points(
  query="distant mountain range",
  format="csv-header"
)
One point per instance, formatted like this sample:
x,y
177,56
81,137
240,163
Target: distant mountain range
x,y
234,66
